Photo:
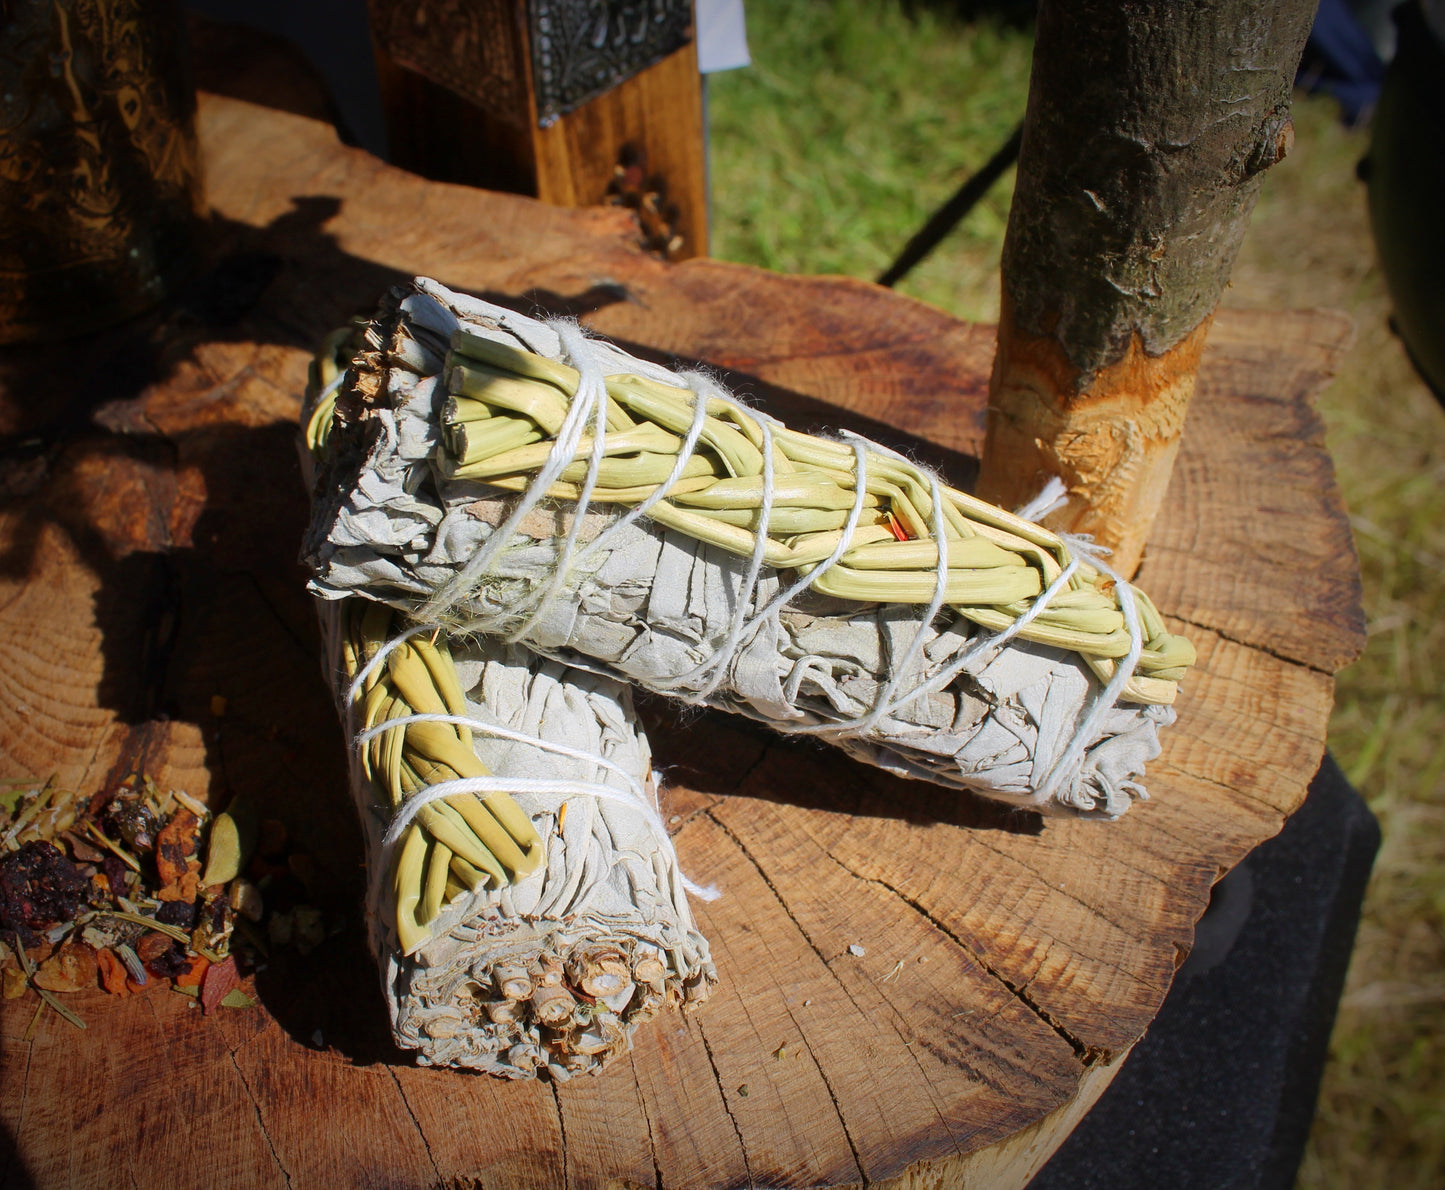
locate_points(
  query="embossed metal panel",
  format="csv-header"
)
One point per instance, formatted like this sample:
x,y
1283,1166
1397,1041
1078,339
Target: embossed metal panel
x,y
581,48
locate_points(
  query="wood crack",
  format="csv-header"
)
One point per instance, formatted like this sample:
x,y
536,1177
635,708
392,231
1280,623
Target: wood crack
x,y
646,1119
305,649
24,1090
1258,648
1008,857
766,879
905,1040
838,1107
723,1096
562,1132
1087,1054
420,1131
1091,909
260,1120
1235,792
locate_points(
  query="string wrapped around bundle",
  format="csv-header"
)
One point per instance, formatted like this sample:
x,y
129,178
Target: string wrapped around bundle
x,y
508,476
525,902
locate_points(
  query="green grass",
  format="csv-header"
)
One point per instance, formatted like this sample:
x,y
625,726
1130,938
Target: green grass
x,y
856,122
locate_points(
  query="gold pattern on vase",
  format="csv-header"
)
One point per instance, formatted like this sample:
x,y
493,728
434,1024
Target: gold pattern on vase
x,y
99,173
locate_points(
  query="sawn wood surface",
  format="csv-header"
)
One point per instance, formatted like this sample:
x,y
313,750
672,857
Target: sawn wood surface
x,y
1000,965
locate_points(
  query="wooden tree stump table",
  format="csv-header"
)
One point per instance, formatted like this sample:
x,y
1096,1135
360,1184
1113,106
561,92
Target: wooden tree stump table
x,y
918,988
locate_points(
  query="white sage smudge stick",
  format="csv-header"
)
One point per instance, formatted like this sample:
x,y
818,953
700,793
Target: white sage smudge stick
x,y
555,970
667,535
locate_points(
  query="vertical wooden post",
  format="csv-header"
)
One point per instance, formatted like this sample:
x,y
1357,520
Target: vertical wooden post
x,y
485,92
1149,125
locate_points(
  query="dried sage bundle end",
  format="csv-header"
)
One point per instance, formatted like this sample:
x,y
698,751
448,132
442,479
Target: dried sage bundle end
x,y
542,941
558,1002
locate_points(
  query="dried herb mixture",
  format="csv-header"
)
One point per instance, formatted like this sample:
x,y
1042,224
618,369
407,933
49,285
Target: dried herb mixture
x,y
133,888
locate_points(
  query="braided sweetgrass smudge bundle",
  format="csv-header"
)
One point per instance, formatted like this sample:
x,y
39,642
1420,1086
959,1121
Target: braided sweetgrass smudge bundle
x,y
551,959
507,476
525,903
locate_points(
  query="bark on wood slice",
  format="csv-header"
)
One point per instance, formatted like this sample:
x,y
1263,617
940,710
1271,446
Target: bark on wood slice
x,y
147,543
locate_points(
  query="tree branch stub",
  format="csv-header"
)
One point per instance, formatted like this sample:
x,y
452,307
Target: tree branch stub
x,y
1149,126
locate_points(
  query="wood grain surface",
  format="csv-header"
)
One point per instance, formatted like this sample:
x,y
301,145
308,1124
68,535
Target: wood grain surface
x,y
150,509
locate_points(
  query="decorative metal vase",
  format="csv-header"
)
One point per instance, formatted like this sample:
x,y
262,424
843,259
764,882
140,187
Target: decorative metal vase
x,y
99,174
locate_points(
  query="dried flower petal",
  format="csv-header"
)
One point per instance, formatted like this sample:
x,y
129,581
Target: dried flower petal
x,y
81,850
151,946
218,980
69,969
195,972
39,887
176,862
113,975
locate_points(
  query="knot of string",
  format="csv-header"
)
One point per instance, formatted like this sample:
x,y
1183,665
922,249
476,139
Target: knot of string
x,y
633,795
1063,768
1054,495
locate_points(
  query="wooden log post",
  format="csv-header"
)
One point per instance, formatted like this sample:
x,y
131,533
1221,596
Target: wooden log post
x,y
1149,126
575,102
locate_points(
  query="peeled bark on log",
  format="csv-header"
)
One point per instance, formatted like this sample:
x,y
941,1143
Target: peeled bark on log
x,y
1149,126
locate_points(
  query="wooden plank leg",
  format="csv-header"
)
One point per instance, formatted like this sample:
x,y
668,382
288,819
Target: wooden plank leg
x,y
473,115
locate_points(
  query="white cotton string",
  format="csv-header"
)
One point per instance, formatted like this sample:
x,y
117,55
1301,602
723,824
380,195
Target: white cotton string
x,y
915,646
989,642
881,705
591,378
503,733
883,702
564,448
633,797
1083,735
588,358
1054,495
684,456
715,668
845,541
804,581
354,691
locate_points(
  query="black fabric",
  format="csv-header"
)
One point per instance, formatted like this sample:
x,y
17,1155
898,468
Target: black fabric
x,y
1220,1094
